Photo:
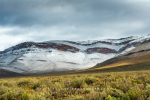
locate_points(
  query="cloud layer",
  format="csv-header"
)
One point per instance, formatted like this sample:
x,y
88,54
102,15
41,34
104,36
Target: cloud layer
x,y
44,20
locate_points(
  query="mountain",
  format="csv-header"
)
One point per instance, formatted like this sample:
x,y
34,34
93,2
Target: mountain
x,y
136,59
52,56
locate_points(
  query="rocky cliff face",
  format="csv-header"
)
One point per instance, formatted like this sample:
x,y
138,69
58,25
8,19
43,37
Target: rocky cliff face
x,y
33,57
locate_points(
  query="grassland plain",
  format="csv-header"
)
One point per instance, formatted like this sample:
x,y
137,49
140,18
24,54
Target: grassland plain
x,y
130,85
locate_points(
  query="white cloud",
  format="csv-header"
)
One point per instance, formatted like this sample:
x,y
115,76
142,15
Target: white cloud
x,y
9,40
13,35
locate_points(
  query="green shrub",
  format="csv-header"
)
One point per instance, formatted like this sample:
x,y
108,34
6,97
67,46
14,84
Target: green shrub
x,y
121,85
89,80
148,98
2,90
77,83
35,85
117,93
23,83
141,78
29,84
135,94
118,76
109,97
125,98
40,96
24,96
12,94
7,84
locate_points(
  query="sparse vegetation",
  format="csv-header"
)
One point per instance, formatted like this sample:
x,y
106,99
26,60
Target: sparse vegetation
x,y
97,86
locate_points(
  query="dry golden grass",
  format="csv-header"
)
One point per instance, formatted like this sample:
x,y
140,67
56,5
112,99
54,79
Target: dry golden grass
x,y
115,65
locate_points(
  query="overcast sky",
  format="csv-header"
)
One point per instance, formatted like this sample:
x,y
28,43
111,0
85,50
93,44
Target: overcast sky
x,y
77,20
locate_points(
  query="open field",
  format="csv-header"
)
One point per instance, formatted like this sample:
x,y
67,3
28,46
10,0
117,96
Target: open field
x,y
133,85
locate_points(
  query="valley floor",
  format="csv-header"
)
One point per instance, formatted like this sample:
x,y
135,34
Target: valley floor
x,y
129,85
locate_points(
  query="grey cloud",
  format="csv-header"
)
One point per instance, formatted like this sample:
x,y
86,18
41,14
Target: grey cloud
x,y
42,20
79,12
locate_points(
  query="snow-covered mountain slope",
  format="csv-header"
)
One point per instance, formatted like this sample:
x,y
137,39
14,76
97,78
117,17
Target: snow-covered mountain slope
x,y
50,56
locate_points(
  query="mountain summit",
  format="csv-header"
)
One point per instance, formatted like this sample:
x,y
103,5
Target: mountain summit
x,y
52,56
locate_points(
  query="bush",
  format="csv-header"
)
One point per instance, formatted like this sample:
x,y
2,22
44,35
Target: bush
x,y
3,90
148,98
23,83
121,85
117,93
8,84
135,94
77,83
89,81
29,84
35,85
24,96
12,94
109,97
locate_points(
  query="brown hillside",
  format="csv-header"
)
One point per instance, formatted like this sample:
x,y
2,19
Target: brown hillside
x,y
138,56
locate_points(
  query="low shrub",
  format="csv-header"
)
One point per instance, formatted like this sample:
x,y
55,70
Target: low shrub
x,y
8,84
35,85
24,83
89,80
135,94
77,83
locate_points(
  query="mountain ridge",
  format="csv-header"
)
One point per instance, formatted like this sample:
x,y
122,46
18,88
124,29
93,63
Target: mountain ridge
x,y
57,56
135,59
